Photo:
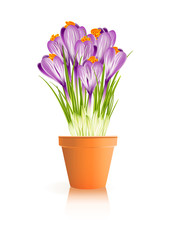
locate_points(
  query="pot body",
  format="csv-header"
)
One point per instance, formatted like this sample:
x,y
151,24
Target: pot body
x,y
87,160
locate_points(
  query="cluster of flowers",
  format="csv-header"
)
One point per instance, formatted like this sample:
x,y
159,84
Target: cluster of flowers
x,y
87,52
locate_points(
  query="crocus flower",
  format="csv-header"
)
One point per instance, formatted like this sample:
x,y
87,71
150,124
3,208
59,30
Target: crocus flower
x,y
96,32
112,35
56,45
92,39
103,43
53,67
103,39
113,60
70,35
89,73
82,31
84,48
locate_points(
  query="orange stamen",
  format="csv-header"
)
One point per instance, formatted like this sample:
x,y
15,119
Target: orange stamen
x,y
52,56
69,23
93,59
53,37
116,50
96,32
84,39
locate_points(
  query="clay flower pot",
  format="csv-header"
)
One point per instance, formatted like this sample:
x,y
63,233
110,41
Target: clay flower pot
x,y
87,160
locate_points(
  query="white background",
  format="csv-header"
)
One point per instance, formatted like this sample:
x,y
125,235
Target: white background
x,y
35,199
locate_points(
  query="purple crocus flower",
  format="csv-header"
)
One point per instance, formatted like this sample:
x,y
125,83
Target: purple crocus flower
x,y
89,73
70,36
113,62
56,45
92,39
82,31
105,41
53,67
112,35
84,50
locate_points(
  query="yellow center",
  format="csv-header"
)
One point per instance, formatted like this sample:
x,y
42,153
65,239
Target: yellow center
x,y
93,59
69,23
53,37
84,39
52,56
96,32
116,50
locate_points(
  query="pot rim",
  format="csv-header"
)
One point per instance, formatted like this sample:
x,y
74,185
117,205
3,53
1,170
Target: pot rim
x,y
87,141
87,136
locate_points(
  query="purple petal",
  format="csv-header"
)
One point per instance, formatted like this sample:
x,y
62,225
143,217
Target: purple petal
x,y
93,39
88,67
48,66
66,92
42,70
90,77
82,32
109,61
119,60
88,73
55,48
59,66
112,34
61,45
105,29
113,62
89,50
102,31
81,73
98,69
103,43
75,73
79,50
71,36
95,50
62,33
85,74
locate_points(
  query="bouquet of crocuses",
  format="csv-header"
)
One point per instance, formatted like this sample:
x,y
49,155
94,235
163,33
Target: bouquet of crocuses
x,y
86,66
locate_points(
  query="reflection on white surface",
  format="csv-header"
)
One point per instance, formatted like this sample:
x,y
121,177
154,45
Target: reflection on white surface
x,y
87,202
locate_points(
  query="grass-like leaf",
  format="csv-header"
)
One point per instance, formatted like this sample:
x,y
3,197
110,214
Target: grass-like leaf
x,y
66,113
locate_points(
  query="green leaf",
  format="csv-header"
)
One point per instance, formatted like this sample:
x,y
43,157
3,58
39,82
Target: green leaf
x,y
113,109
102,83
69,85
65,98
129,54
81,96
60,102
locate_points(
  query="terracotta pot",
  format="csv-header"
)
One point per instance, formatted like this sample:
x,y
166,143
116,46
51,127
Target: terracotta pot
x,y
87,160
